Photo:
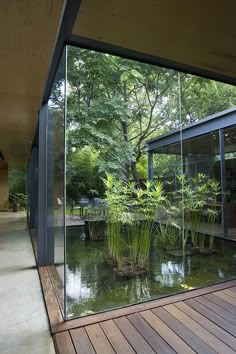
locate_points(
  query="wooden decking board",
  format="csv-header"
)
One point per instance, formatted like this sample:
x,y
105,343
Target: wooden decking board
x,y
223,322
81,341
63,343
99,340
166,333
200,331
222,303
233,288
209,325
151,336
183,332
133,336
116,338
203,322
230,293
83,321
226,298
52,306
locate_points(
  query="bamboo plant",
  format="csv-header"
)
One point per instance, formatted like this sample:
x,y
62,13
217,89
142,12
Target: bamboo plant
x,y
130,215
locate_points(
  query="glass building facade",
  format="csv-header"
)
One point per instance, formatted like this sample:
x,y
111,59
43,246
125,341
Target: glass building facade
x,y
193,163
207,148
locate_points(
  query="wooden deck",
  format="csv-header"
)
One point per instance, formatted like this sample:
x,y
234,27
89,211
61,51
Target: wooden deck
x,y
197,321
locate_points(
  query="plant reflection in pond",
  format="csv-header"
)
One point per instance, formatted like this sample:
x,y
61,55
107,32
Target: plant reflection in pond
x,y
93,286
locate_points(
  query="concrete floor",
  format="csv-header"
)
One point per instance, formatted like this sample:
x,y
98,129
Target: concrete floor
x,y
24,326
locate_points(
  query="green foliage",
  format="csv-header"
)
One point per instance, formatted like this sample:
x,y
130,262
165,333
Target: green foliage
x,y
18,199
135,209
195,195
169,233
115,105
142,167
83,177
17,181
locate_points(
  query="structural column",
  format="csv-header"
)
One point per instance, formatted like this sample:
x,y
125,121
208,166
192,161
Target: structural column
x,y
45,247
223,183
150,165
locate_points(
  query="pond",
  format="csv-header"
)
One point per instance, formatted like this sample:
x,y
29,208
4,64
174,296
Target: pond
x,y
92,285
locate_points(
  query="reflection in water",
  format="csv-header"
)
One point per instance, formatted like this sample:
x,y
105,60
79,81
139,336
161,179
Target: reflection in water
x,y
92,285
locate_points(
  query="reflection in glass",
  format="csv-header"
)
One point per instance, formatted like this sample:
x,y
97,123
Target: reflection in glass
x,y
92,286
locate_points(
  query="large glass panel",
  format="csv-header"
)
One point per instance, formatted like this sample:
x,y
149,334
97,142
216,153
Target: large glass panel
x,y
113,107
230,179
202,191
130,239
55,180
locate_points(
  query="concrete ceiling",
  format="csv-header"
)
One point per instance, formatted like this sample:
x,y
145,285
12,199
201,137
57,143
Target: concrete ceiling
x,y
200,34
27,34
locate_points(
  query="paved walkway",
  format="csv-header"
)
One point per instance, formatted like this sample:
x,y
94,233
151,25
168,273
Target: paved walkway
x,y
24,327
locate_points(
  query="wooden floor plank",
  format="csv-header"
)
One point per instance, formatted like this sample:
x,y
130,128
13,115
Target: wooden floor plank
x,y
133,336
166,333
152,337
217,331
50,298
99,340
183,332
233,288
84,321
81,341
63,343
230,293
225,305
196,322
226,298
215,305
212,315
200,331
116,338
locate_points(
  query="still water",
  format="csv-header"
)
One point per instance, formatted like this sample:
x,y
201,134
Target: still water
x,y
92,285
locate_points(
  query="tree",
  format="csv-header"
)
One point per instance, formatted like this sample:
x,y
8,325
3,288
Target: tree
x,y
115,105
17,181
83,178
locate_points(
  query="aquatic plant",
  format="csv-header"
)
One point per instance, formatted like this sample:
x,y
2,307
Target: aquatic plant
x,y
198,195
130,216
116,203
169,234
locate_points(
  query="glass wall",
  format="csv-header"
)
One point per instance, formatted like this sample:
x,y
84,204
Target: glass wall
x,y
202,190
129,239
112,257
115,234
56,181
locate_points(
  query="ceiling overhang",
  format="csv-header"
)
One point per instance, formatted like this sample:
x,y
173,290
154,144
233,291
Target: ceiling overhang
x,y
196,37
27,35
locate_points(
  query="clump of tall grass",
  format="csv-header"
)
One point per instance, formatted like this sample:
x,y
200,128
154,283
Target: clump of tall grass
x,y
198,194
130,218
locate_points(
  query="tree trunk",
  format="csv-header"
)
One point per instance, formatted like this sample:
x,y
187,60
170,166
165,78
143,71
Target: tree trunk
x,y
135,173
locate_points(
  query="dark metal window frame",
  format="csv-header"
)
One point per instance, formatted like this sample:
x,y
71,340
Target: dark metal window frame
x,y
207,125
